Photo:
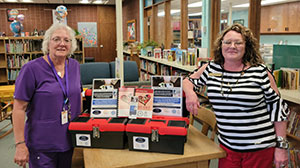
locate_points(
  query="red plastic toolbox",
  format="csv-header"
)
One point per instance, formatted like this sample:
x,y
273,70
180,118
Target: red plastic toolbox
x,y
163,134
98,133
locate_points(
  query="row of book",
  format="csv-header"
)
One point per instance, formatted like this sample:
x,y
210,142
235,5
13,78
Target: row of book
x,y
17,61
293,127
287,78
19,46
294,158
12,74
190,57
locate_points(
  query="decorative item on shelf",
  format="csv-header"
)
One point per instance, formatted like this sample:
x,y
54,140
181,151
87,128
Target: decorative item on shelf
x,y
61,13
35,32
147,47
17,25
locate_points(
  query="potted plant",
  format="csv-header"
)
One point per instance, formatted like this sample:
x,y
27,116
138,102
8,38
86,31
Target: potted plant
x,y
147,47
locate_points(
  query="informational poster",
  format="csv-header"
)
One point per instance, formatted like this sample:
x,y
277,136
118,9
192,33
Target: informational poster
x,y
88,30
167,99
145,103
125,101
105,98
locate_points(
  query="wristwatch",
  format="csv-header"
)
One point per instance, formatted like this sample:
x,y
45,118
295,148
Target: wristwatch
x,y
282,143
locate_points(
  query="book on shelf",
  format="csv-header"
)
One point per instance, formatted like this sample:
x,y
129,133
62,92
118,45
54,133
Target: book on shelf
x,y
166,53
293,125
287,78
178,56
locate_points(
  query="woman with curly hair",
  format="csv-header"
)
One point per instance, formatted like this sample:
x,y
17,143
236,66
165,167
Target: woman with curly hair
x,y
251,116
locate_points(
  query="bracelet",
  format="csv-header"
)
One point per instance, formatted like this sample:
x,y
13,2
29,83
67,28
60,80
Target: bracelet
x,y
18,143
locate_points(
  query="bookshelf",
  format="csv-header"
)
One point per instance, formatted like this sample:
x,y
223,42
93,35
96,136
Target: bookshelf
x,y
17,51
154,66
194,33
293,99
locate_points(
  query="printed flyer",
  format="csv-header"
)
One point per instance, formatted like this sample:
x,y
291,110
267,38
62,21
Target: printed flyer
x,y
167,98
145,103
105,98
125,100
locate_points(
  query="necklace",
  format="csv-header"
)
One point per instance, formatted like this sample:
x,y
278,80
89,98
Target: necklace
x,y
59,74
230,86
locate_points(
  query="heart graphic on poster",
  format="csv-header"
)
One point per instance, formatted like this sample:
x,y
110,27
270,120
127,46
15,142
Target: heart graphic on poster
x,y
125,98
144,99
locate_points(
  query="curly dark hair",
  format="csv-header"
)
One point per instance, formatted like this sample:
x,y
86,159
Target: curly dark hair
x,y
252,54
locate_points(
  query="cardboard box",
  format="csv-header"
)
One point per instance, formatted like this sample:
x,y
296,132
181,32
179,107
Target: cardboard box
x,y
159,134
98,133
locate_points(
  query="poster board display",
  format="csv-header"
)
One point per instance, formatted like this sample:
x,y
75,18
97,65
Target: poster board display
x,y
167,99
105,98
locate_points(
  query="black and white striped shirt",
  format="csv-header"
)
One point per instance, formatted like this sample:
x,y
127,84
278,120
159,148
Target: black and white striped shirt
x,y
245,106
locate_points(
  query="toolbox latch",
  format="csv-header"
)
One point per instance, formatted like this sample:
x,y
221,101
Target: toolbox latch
x,y
96,132
154,135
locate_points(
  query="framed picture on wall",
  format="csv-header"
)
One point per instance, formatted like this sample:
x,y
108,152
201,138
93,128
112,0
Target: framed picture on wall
x,y
240,21
131,30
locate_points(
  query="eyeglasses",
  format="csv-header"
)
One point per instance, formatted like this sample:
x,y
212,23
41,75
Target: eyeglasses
x,y
235,43
58,40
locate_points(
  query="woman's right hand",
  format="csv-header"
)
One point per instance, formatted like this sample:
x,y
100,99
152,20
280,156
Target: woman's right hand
x,y
21,155
192,102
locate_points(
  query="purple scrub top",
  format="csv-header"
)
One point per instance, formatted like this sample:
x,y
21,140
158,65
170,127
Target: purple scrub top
x,y
38,85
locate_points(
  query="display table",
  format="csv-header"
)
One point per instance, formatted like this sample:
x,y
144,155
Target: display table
x,y
197,151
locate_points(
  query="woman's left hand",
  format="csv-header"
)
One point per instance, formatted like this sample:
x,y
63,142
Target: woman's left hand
x,y
281,158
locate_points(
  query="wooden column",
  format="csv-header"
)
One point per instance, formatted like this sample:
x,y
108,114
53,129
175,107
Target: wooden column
x,y
214,23
184,26
168,27
254,17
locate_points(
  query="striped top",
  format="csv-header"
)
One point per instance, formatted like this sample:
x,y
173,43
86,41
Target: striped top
x,y
245,106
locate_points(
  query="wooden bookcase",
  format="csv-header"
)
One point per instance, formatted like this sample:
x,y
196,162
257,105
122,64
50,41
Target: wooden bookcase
x,y
17,51
154,66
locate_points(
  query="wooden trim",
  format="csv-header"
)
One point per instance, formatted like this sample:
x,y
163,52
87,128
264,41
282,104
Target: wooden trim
x,y
168,28
254,18
214,23
152,23
184,26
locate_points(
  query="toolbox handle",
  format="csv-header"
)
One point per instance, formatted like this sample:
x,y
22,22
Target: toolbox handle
x,y
151,120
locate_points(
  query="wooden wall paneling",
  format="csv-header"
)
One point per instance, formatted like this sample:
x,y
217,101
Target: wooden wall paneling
x,y
214,23
145,25
293,17
278,17
130,11
152,23
106,34
156,21
184,24
254,18
265,19
168,28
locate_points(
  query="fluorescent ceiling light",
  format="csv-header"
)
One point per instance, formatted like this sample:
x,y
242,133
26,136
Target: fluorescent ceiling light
x,y
264,2
27,1
196,4
11,1
195,14
172,12
84,1
100,2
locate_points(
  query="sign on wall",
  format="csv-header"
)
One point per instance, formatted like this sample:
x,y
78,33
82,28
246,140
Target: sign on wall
x,y
88,30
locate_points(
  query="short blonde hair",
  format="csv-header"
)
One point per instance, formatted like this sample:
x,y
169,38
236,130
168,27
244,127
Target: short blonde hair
x,y
51,30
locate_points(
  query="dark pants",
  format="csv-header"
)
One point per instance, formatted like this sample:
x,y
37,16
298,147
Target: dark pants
x,y
50,159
